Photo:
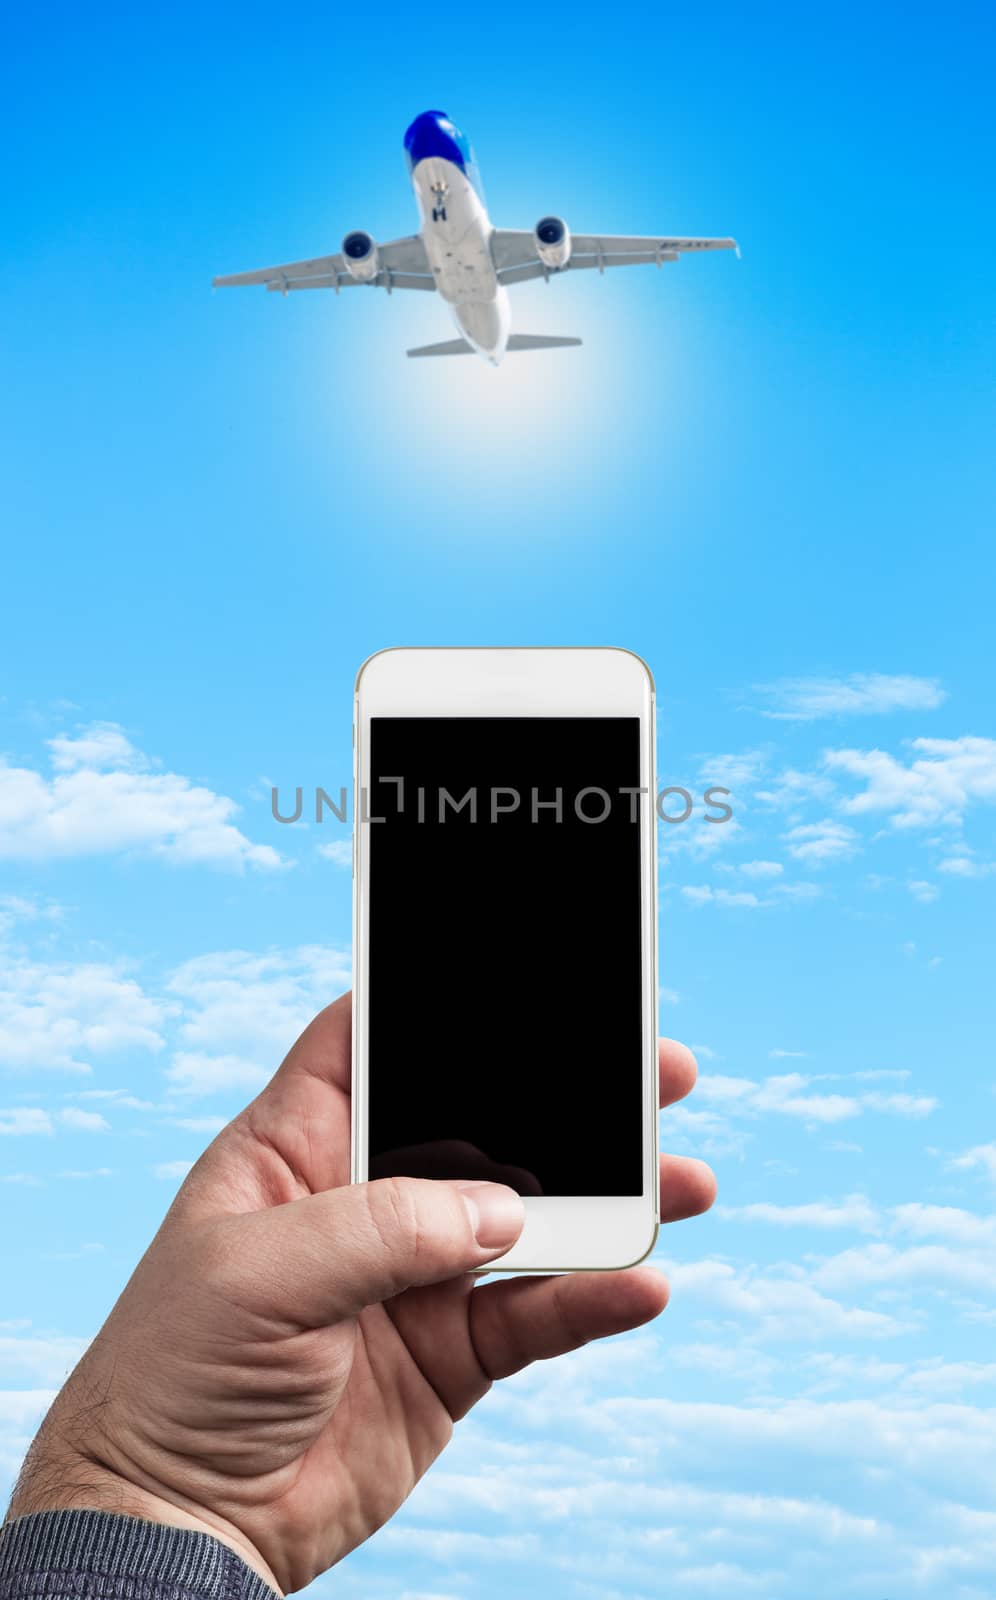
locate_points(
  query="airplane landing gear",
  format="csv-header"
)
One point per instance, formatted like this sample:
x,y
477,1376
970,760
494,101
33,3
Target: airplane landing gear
x,y
439,192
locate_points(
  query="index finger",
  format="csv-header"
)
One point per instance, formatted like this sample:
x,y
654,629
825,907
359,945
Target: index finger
x,y
677,1070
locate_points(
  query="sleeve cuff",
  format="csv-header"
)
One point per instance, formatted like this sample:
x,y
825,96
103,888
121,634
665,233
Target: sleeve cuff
x,y
110,1557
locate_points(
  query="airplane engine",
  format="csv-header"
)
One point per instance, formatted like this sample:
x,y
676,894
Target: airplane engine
x,y
553,241
361,257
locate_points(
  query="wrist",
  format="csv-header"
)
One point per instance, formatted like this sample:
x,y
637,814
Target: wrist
x,y
57,1477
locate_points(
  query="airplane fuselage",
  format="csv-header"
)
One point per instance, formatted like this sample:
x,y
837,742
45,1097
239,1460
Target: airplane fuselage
x,y
456,232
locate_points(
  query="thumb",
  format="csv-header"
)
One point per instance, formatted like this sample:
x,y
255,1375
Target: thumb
x,y
327,1256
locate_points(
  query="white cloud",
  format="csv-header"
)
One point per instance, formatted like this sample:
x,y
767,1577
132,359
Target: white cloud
x,y
83,1121
732,771
22,1119
883,1265
242,1012
981,1158
56,1015
944,1222
641,1468
931,1375
937,1446
793,788
704,894
24,1406
102,798
231,1017
944,778
879,1074
743,1362
21,1410
953,1249
862,693
172,1170
963,865
797,891
761,869
935,1376
600,1495
461,1546
194,1072
856,1211
901,1105
785,1095
38,1358
83,1176
635,1486
339,851
818,842
923,891
773,1307
958,1229
787,1055
720,1088
17,908
702,1133
833,1370
103,746
697,838
721,1578
120,1098
790,1094
424,1594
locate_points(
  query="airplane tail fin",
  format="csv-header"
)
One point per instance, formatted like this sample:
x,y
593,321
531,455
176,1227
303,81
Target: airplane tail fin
x,y
449,347
537,341
517,341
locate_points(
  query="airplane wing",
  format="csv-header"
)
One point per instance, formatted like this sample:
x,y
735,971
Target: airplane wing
x,y
403,265
514,252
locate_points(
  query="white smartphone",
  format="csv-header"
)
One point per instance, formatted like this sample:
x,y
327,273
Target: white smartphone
x,y
505,911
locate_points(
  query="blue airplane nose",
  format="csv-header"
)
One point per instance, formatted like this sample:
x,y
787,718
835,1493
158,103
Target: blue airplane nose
x,y
433,134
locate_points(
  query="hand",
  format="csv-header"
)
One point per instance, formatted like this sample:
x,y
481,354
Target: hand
x,y
291,1353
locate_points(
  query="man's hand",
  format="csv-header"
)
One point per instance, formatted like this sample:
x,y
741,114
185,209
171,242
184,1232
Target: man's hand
x,y
291,1353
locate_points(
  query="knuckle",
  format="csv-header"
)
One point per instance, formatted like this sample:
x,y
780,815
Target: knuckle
x,y
393,1208
574,1331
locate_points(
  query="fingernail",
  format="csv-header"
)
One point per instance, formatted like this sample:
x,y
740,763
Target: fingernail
x,y
496,1213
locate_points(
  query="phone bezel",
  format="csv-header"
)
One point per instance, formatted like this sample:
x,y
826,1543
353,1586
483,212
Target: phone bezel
x,y
562,1233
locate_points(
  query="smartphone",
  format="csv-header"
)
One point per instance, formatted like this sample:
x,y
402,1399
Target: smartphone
x,y
505,919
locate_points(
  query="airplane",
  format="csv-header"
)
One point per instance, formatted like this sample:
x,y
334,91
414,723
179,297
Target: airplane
x,y
459,254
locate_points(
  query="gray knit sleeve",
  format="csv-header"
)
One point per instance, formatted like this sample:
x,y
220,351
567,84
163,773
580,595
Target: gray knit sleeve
x,y
98,1555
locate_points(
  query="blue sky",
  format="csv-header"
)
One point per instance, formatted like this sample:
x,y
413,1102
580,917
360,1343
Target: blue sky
x,y
773,478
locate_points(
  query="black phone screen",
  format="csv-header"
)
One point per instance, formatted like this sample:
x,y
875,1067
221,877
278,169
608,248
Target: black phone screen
x,y
505,951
